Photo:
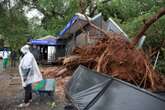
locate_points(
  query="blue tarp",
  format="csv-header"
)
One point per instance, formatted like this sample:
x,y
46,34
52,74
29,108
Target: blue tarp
x,y
45,42
70,23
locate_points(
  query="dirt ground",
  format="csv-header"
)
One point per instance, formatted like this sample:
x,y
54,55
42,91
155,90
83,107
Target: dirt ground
x,y
12,94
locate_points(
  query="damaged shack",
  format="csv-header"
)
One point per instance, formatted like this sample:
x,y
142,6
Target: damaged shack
x,y
78,32
47,49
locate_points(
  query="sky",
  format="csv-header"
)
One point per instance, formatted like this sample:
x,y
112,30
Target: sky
x,y
32,13
28,13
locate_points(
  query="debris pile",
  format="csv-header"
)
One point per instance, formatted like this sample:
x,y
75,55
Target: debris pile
x,y
61,74
114,55
60,85
57,71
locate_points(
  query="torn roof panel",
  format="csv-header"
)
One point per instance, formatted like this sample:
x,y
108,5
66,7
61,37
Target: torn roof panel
x,y
77,22
114,27
99,21
70,23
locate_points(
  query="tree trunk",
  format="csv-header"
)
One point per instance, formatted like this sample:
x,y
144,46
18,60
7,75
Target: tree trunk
x,y
147,24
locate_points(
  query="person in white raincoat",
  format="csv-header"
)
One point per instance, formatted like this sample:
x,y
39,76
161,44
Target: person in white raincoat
x,y
29,72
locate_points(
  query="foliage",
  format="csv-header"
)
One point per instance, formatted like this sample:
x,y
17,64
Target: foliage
x,y
56,23
56,12
13,26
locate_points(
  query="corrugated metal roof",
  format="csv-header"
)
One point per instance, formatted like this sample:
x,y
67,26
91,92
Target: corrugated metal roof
x,y
79,21
76,23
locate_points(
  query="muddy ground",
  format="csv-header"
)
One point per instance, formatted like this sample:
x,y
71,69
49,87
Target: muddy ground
x,y
12,94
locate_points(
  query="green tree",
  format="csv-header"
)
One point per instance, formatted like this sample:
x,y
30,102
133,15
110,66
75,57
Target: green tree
x,y
56,12
14,25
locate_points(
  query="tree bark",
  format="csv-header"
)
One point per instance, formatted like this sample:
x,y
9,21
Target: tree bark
x,y
147,24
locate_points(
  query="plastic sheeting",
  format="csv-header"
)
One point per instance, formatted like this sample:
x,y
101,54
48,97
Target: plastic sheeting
x,y
83,80
89,90
83,98
120,96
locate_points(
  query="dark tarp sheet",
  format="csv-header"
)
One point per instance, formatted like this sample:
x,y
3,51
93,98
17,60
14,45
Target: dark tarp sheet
x,y
120,96
84,79
161,93
92,91
83,98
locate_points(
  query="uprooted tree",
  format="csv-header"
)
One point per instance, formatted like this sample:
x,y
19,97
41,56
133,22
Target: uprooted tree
x,y
116,56
147,24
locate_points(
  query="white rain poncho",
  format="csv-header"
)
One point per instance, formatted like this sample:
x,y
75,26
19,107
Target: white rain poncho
x,y
28,68
5,54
